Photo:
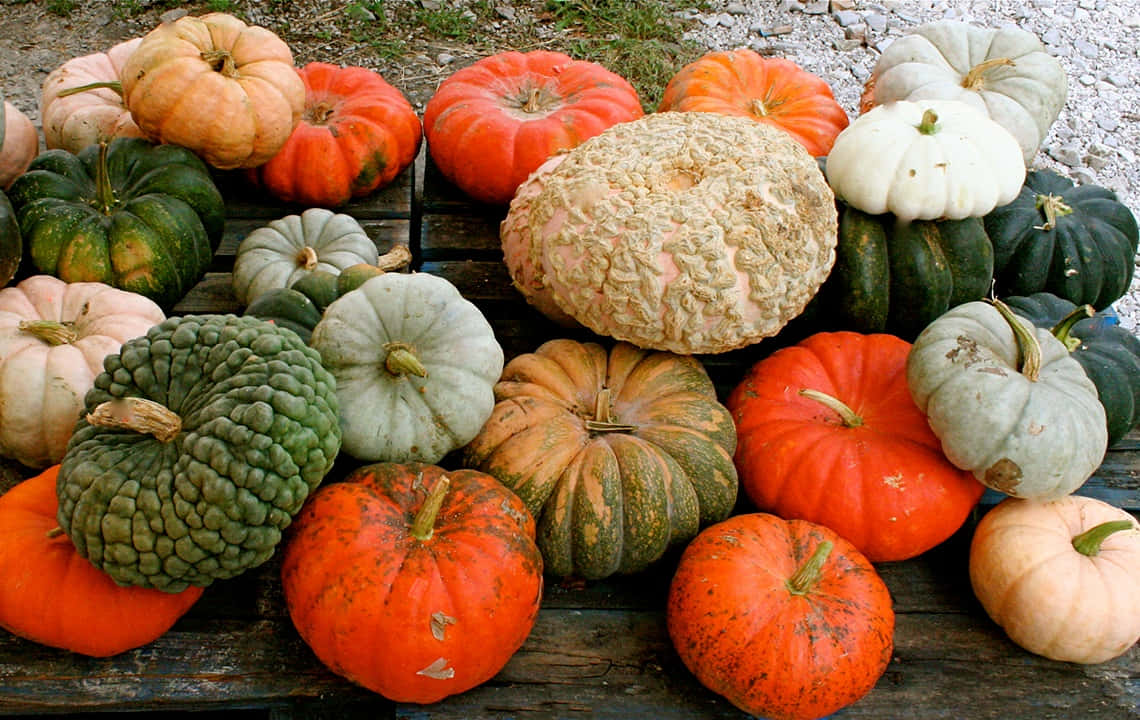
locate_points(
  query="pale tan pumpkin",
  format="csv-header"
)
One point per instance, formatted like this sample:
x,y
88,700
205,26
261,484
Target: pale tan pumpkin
x,y
19,142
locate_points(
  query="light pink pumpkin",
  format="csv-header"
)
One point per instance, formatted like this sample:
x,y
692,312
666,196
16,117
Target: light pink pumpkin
x,y
19,142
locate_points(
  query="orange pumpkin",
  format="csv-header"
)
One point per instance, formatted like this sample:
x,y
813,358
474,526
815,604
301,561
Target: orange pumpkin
x,y
785,619
770,90
827,432
53,596
357,134
224,89
491,124
412,582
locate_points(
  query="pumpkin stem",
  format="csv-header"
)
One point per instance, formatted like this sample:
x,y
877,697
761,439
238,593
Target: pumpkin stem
x,y
423,526
1028,348
1089,542
805,578
850,417
1062,329
603,421
758,107
108,84
976,80
929,123
402,360
50,331
104,193
54,532
137,414
1053,206
319,114
307,259
395,259
221,61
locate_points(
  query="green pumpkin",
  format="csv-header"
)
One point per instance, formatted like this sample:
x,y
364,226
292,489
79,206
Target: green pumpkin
x,y
1109,354
201,441
1077,242
896,277
11,247
287,308
137,216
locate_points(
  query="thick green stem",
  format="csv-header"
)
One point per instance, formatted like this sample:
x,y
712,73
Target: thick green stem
x,y
929,123
1053,206
402,360
806,577
1028,349
850,417
105,84
423,526
50,331
976,78
139,415
1062,329
1089,542
603,421
104,193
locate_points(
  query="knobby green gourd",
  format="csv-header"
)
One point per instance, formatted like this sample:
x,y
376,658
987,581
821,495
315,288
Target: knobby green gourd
x,y
201,441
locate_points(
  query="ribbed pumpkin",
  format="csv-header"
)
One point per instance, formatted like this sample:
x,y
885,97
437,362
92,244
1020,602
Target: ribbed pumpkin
x,y
224,89
434,575
769,90
689,232
618,454
1075,241
827,432
491,124
785,619
19,142
53,596
356,134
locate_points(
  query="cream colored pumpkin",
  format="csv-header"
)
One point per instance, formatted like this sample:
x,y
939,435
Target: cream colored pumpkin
x,y
931,160
1057,580
19,142
680,231
53,338
74,120
280,253
1004,72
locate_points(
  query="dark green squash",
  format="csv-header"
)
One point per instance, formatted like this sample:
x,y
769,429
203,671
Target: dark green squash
x,y
11,247
287,308
1109,354
140,217
898,277
1075,241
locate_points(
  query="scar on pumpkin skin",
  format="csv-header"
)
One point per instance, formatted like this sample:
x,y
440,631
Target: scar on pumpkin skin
x,y
438,670
439,623
1004,475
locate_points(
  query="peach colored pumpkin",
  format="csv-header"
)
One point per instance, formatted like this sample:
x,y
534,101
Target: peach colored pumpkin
x,y
74,120
19,142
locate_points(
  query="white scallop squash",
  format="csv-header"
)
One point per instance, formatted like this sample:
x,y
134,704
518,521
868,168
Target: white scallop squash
x,y
687,232
415,366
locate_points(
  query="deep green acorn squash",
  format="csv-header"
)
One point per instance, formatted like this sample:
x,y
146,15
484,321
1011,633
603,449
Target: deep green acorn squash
x,y
1075,241
201,441
288,308
1109,354
11,247
137,216
897,277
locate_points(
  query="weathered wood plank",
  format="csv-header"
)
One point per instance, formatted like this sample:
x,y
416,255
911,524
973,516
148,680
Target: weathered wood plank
x,y
245,200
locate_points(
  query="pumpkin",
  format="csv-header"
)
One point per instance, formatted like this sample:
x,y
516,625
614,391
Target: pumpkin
x,y
140,217
19,142
491,124
929,160
81,102
1007,401
1109,354
1004,72
200,442
356,134
280,253
897,277
688,232
435,575
224,89
619,454
827,432
769,90
11,244
415,364
1062,578
53,338
52,596
785,619
1075,241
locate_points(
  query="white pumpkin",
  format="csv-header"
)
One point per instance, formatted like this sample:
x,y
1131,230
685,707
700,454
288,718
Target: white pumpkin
x,y
280,253
935,160
53,338
415,366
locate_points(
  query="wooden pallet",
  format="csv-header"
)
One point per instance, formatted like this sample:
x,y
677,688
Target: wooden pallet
x,y
598,651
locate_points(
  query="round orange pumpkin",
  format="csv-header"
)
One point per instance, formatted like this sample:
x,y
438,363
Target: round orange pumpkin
x,y
785,619
491,124
827,432
770,90
356,134
52,595
413,582
224,89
